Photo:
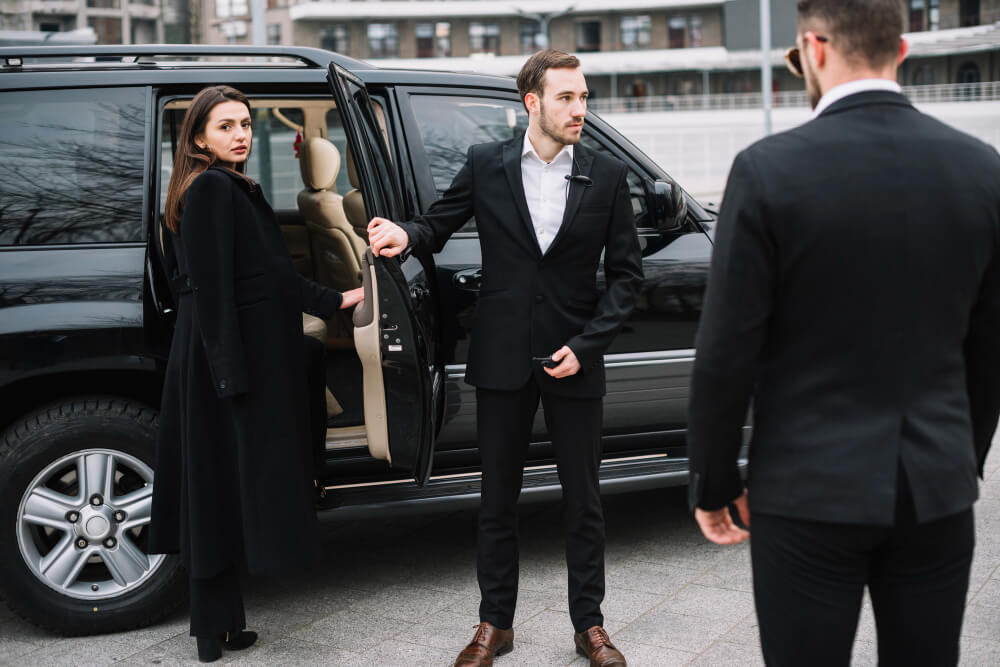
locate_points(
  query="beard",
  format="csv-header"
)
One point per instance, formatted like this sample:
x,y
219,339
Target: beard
x,y
552,130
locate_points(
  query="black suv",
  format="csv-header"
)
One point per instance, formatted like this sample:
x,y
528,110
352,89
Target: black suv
x,y
86,145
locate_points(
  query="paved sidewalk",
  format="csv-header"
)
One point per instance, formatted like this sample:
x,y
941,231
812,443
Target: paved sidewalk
x,y
401,590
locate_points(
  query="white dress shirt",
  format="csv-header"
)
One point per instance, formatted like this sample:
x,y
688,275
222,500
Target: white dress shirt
x,y
545,189
852,87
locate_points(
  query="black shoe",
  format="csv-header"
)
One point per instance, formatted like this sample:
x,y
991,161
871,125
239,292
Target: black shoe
x,y
237,641
209,649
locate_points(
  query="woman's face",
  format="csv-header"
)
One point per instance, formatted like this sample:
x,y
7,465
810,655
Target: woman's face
x,y
227,133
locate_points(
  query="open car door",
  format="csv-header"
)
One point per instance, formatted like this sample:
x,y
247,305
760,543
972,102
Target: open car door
x,y
395,326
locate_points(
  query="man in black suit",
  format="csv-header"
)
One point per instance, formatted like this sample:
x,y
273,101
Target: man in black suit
x,y
855,296
545,209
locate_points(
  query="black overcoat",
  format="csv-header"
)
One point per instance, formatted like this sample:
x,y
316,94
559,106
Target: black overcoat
x,y
233,476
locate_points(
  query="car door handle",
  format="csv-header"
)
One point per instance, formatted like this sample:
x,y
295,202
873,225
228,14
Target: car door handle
x,y
469,279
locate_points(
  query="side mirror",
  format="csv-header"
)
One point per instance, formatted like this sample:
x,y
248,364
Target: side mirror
x,y
670,206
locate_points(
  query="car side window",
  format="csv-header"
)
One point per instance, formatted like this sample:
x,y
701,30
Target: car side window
x,y
71,166
449,124
273,162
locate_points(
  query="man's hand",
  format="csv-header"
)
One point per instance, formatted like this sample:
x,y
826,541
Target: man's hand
x,y
718,525
352,297
568,363
387,239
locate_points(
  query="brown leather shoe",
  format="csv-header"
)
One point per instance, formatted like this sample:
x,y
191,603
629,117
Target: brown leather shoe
x,y
596,645
489,642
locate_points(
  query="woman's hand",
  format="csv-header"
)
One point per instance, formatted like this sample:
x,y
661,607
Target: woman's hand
x,y
352,298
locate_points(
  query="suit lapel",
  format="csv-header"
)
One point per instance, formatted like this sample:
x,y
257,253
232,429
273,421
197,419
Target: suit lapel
x,y
582,161
512,168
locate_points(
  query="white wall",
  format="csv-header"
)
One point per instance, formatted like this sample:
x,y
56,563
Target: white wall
x,y
698,147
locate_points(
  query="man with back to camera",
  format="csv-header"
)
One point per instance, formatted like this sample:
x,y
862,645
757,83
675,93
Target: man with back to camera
x,y
545,209
854,294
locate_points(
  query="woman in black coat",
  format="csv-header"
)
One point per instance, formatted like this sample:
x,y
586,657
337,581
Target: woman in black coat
x,y
233,473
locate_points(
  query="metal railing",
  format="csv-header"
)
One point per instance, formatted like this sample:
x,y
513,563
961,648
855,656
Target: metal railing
x,y
950,92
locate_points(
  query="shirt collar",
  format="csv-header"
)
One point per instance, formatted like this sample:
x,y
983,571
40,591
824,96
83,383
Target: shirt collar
x,y
853,87
528,149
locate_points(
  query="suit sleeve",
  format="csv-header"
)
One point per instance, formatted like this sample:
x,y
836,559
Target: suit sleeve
x,y
207,236
319,300
731,334
432,230
982,358
623,273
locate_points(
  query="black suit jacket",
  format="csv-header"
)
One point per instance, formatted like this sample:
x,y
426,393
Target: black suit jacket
x,y
855,295
532,304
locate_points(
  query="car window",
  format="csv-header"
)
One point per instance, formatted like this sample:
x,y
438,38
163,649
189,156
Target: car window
x,y
636,184
71,166
273,163
450,124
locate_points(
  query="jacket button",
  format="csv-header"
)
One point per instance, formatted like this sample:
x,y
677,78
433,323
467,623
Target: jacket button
x,y
539,298
223,384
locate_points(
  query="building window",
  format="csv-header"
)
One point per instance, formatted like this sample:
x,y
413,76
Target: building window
x,y
636,32
677,32
588,36
274,33
968,13
924,15
529,31
49,27
484,38
969,73
107,29
924,76
433,39
226,8
383,40
104,4
143,31
336,38
694,31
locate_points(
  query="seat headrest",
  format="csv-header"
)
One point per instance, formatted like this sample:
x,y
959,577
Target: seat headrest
x,y
352,171
319,163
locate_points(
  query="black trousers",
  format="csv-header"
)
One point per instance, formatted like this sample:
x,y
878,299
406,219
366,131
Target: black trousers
x,y
217,604
504,427
809,578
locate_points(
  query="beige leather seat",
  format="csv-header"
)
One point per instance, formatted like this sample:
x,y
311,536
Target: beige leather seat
x,y
316,328
336,249
354,203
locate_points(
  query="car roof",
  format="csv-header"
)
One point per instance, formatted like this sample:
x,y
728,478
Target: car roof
x,y
160,64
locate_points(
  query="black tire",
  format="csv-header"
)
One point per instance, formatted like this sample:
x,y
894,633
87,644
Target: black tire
x,y
27,448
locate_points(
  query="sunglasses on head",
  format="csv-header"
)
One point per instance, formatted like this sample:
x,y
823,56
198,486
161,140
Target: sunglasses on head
x,y
793,57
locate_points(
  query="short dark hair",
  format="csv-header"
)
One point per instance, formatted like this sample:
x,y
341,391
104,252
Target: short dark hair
x,y
866,32
531,78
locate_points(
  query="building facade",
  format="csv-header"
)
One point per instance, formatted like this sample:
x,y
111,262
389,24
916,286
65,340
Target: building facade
x,y
113,21
629,48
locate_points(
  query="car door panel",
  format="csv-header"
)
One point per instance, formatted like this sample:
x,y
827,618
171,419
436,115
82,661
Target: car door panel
x,y
396,328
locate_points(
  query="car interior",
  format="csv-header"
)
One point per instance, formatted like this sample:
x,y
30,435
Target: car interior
x,y
321,210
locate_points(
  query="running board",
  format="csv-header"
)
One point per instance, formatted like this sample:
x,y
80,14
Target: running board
x,y
540,483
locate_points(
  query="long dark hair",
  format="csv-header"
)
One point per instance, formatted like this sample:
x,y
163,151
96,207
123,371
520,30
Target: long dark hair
x,y
190,161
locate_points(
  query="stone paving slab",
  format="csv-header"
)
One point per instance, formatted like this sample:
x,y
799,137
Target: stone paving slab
x,y
402,591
